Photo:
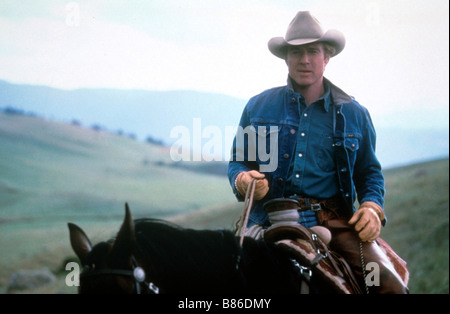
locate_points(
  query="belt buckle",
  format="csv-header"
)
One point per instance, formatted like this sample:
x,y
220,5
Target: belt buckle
x,y
316,207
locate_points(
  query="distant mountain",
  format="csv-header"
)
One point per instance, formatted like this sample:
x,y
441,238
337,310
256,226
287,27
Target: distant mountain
x,y
402,138
144,113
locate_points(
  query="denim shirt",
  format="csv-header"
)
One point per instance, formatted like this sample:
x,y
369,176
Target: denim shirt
x,y
312,170
266,140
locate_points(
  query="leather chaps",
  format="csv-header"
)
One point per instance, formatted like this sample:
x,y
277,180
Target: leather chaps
x,y
384,277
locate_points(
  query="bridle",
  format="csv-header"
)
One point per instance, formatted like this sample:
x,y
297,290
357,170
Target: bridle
x,y
137,273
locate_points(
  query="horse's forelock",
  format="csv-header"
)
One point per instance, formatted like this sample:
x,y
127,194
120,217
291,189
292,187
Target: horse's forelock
x,y
98,256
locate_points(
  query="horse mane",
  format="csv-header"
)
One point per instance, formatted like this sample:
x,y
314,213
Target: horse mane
x,y
201,257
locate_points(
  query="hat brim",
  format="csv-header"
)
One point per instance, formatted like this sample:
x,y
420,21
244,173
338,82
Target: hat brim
x,y
278,45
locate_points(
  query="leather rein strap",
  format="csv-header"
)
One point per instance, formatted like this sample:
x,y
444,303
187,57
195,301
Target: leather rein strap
x,y
248,204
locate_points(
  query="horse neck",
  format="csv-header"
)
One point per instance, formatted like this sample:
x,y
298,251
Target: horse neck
x,y
180,260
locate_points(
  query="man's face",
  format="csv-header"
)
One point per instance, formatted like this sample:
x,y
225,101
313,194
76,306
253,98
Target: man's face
x,y
306,64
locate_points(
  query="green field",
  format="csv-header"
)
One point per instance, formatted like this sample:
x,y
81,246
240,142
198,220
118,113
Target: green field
x,y
52,173
417,206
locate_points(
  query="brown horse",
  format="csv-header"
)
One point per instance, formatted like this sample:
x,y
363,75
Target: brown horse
x,y
155,256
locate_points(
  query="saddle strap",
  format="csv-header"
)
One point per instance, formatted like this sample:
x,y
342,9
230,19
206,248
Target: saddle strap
x,y
348,272
302,252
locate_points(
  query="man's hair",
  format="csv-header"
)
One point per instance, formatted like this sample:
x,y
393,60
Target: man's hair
x,y
328,49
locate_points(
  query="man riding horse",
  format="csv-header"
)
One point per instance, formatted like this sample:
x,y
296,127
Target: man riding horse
x,y
325,152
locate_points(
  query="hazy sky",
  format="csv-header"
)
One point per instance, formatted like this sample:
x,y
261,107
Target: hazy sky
x,y
396,57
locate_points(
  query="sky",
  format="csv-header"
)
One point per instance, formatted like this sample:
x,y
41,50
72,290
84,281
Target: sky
x,y
396,56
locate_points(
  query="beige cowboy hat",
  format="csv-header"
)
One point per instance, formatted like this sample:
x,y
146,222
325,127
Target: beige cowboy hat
x,y
305,29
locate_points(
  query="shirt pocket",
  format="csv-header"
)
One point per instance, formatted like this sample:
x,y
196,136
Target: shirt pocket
x,y
352,144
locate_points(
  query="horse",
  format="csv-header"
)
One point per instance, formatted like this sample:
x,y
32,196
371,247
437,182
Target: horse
x,y
151,256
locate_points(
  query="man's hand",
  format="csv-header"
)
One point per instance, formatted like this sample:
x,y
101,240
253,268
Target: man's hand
x,y
243,180
367,220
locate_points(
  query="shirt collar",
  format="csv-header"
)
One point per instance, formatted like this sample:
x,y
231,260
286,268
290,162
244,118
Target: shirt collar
x,y
326,97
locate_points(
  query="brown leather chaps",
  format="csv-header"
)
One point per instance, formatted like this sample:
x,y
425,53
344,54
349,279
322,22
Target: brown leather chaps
x,y
382,278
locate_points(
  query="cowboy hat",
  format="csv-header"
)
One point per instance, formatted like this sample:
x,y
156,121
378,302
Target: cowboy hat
x,y
305,29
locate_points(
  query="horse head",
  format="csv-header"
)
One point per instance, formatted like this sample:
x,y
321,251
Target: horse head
x,y
108,267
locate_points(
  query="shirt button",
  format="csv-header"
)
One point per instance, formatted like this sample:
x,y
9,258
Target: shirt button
x,y
305,114
292,131
286,156
293,100
303,134
300,155
297,176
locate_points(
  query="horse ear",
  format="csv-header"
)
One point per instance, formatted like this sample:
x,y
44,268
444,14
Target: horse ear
x,y
125,241
80,242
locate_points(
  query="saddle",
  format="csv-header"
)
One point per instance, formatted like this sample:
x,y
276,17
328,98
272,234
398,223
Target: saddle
x,y
309,249
313,258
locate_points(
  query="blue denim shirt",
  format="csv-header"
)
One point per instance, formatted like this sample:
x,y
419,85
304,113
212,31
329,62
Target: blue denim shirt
x,y
312,169
270,125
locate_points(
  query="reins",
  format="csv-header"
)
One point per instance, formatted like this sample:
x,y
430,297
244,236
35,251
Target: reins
x,y
241,224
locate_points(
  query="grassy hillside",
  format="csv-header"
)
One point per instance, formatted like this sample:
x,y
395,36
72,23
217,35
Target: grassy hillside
x,y
417,206
51,173
66,170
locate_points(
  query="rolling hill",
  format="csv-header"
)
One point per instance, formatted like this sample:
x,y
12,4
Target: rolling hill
x,y
66,166
52,173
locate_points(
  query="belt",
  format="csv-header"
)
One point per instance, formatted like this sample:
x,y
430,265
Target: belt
x,y
304,204
309,203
